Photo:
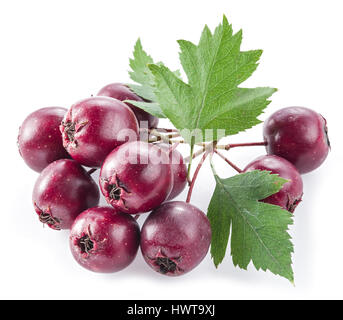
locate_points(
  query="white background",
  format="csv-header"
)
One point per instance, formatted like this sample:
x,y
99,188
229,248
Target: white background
x,y
57,52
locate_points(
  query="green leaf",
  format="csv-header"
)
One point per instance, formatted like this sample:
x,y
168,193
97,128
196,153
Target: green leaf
x,y
139,64
212,99
258,230
150,107
245,106
175,94
143,91
141,74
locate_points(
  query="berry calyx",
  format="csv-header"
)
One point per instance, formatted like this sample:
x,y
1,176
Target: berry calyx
x,y
164,264
86,244
69,129
47,218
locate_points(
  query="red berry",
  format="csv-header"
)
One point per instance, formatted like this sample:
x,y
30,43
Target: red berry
x,y
136,177
40,140
122,92
103,239
179,170
291,193
175,238
299,135
63,190
93,127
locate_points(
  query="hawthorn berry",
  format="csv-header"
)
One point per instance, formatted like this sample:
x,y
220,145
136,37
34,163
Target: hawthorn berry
x,y
136,177
40,140
299,135
93,127
291,193
103,239
179,170
122,92
62,191
175,238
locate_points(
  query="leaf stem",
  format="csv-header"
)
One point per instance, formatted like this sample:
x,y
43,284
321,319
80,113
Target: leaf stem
x,y
212,164
228,161
190,164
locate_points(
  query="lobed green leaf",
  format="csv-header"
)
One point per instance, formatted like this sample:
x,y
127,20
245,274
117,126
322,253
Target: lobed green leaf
x,y
212,99
258,230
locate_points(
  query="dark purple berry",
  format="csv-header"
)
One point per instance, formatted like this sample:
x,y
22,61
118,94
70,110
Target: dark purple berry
x,y
291,193
179,170
40,140
122,92
93,127
136,177
63,190
103,239
299,135
175,238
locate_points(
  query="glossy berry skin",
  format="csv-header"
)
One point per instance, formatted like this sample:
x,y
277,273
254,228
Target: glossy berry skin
x,y
93,127
179,170
136,177
40,140
122,92
175,238
291,193
63,190
105,240
299,135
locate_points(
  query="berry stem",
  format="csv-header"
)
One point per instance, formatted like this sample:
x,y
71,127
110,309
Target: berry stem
x,y
163,135
236,145
91,171
195,154
189,195
166,130
228,161
173,147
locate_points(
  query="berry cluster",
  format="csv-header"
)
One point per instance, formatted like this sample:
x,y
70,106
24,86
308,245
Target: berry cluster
x,y
139,176
99,132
